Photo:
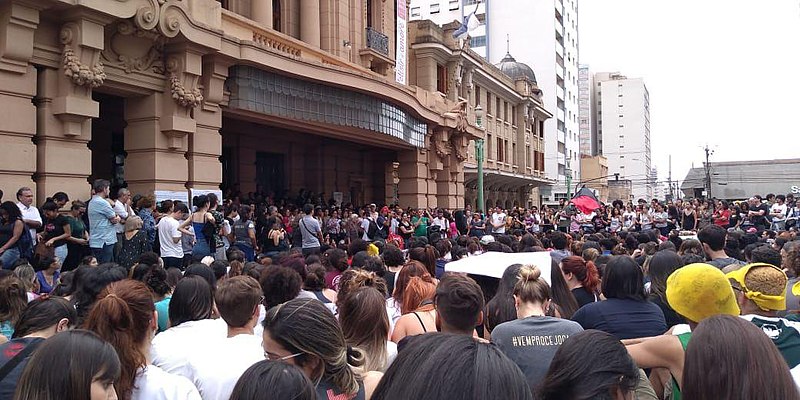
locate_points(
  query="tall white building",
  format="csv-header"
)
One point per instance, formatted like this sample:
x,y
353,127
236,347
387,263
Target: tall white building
x,y
544,35
444,12
623,130
587,128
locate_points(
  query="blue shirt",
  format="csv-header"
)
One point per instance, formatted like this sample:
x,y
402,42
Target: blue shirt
x,y
101,230
623,318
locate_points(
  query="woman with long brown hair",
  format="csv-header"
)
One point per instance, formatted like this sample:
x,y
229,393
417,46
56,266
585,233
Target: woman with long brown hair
x,y
365,325
730,358
124,315
426,255
13,299
582,278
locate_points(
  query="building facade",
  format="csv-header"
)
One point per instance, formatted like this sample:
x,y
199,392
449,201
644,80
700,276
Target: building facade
x,y
513,122
277,97
587,123
623,129
739,180
594,175
544,35
443,12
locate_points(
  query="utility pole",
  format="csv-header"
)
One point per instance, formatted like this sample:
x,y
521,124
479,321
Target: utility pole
x,y
479,158
669,179
709,152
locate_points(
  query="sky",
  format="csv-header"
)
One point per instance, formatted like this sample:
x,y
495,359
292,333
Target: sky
x,y
722,73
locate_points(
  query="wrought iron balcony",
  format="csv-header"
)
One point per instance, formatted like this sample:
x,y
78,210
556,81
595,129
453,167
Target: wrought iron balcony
x,y
377,41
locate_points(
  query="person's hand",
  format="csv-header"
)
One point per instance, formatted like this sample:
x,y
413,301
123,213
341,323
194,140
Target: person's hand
x,y
50,243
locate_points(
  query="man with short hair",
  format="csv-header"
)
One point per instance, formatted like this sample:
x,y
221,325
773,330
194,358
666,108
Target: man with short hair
x,y
758,213
760,292
560,242
498,221
102,236
30,214
713,239
216,367
311,232
777,213
170,234
459,305
122,207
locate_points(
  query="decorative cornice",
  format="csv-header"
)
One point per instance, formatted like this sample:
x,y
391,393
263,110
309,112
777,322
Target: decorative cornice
x,y
163,15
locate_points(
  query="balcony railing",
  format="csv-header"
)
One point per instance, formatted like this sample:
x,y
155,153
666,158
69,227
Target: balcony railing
x,y
377,41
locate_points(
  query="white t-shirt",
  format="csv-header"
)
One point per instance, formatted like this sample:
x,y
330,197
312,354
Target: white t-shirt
x,y
167,230
365,228
172,348
32,214
778,209
122,211
442,223
499,219
216,368
153,383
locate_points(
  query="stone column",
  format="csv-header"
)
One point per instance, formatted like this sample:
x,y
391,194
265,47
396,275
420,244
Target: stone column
x,y
205,144
413,175
261,11
309,22
17,89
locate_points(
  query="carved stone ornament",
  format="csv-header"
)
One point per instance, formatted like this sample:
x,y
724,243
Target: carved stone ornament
x,y
440,144
184,97
460,146
459,113
80,73
134,49
163,15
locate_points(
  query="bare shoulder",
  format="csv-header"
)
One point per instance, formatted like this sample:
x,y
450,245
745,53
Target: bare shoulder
x,y
371,380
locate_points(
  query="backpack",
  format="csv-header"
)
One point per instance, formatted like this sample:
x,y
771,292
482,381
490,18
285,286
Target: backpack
x,y
25,245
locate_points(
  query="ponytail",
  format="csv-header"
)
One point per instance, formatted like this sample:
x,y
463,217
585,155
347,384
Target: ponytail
x,y
584,271
592,281
122,316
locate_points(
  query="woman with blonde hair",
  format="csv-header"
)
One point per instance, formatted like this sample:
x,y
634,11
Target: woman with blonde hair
x,y
419,313
133,244
353,279
365,325
302,332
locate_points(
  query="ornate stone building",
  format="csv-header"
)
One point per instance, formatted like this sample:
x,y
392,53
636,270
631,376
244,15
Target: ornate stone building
x,y
253,95
513,126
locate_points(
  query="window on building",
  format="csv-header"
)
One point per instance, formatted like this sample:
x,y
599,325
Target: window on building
x,y
415,12
497,104
621,156
478,41
528,156
500,154
369,13
453,5
505,111
434,8
477,95
513,115
489,148
489,103
513,153
441,78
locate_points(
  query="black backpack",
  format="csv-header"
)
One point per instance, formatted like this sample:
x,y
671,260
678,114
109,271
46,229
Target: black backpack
x,y
372,230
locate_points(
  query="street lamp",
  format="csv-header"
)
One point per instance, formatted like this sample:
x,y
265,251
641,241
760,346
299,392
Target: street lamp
x,y
479,156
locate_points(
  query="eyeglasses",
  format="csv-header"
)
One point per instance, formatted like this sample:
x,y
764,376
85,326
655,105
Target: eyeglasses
x,y
275,357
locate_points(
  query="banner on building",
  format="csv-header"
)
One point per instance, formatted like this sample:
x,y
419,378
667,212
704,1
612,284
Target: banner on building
x,y
402,42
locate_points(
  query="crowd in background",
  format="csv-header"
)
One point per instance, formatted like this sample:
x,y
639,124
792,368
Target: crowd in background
x,y
251,298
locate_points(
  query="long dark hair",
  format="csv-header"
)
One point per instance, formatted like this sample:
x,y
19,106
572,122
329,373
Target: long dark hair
x,y
65,365
12,210
623,279
563,298
278,379
589,365
501,307
663,263
192,300
43,313
89,282
451,366
742,364
13,299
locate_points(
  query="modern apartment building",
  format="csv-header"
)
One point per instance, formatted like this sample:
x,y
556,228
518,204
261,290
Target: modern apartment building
x,y
587,127
443,12
623,129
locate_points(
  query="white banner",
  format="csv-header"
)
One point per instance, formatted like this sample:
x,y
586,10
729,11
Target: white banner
x,y
402,42
493,264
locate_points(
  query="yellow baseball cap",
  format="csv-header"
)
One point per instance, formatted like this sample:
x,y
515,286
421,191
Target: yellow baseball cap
x,y
763,278
698,291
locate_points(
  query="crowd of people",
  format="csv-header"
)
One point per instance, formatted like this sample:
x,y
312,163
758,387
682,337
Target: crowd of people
x,y
256,298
